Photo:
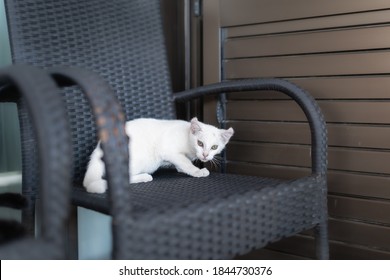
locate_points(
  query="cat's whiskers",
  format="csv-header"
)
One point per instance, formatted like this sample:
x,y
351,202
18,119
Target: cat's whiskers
x,y
216,162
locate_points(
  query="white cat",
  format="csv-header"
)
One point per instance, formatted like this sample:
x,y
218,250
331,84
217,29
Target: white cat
x,y
156,143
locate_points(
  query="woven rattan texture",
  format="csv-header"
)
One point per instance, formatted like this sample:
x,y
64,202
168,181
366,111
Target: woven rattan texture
x,y
121,40
179,217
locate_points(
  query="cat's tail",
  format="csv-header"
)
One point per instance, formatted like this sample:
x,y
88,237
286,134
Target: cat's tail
x,y
93,179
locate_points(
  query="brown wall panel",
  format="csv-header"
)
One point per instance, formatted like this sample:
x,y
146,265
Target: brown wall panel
x,y
376,211
342,250
377,62
358,184
357,87
368,161
266,254
307,24
267,170
340,135
339,229
254,11
279,132
374,112
290,155
360,87
308,42
304,245
339,182
364,234
265,110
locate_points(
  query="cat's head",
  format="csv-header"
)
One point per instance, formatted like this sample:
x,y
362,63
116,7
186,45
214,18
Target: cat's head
x,y
207,140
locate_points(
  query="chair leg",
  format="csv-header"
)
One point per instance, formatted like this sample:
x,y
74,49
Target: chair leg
x,y
322,242
72,235
28,217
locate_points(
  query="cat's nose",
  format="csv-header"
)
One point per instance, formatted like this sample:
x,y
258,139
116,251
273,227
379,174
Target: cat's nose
x,y
205,154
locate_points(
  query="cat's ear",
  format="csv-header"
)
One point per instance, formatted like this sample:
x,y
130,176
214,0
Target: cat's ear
x,y
195,126
226,134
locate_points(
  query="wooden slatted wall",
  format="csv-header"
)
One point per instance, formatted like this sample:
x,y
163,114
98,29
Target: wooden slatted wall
x,y
339,51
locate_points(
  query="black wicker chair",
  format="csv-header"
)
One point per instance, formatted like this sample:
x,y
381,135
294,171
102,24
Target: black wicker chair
x,y
45,109
174,216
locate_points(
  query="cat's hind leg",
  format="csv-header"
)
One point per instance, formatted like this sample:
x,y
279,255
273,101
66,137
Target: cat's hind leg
x,y
93,179
140,178
99,186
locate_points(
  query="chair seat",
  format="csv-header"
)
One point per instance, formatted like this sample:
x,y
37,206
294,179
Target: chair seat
x,y
215,217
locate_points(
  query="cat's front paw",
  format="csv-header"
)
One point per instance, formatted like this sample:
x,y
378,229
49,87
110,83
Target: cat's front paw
x,y
202,173
141,178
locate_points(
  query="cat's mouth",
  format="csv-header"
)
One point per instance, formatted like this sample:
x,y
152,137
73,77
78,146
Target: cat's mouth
x,y
203,159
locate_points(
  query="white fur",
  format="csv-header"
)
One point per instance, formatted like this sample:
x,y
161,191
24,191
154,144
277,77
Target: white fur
x,y
156,143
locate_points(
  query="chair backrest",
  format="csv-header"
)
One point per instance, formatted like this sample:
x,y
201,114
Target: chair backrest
x,y
122,40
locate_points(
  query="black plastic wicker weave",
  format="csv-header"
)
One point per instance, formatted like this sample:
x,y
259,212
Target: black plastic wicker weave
x,y
46,112
174,216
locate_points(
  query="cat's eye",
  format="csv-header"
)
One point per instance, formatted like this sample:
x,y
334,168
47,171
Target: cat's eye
x,y
200,143
214,147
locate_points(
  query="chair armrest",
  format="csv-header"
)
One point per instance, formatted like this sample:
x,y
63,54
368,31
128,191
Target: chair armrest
x,y
48,116
305,101
110,122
